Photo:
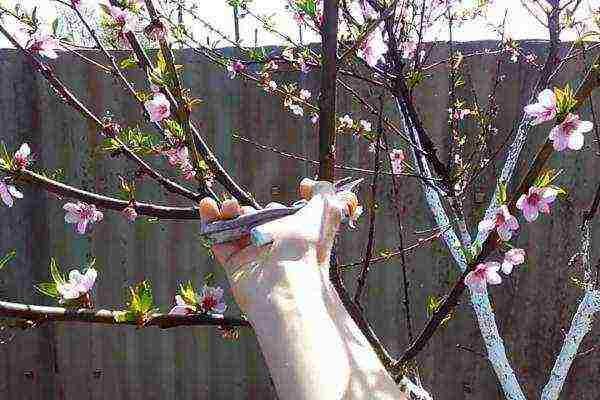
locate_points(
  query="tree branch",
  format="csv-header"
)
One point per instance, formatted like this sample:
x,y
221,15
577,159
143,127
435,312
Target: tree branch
x,y
41,314
70,98
61,189
327,100
590,82
202,147
362,278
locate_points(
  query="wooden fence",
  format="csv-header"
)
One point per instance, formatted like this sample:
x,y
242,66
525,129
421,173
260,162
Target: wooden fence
x,y
67,361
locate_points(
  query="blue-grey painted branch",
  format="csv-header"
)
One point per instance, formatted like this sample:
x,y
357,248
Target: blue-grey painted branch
x,y
585,255
432,194
495,346
461,223
580,326
481,303
507,173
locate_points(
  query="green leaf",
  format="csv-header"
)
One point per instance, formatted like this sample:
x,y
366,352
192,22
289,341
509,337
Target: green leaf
x,y
48,289
415,78
432,304
565,101
188,293
128,63
141,301
7,258
175,129
5,158
209,279
547,177
161,64
502,193
578,283
110,145
124,316
57,276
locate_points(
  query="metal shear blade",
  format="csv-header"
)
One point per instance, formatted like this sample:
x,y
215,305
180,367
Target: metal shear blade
x,y
230,230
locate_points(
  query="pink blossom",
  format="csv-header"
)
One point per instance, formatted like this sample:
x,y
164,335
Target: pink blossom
x,y
460,113
76,3
181,307
305,94
346,122
511,258
396,159
368,11
130,214
296,109
158,108
43,44
211,300
187,170
235,68
123,18
545,109
304,68
82,214
503,222
365,125
483,274
408,49
78,284
314,119
8,193
22,156
530,58
179,157
536,200
288,54
569,134
372,49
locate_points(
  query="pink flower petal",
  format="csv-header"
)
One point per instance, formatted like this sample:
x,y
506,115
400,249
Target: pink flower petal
x,y
493,278
180,310
5,195
14,192
81,226
507,267
547,98
585,126
515,256
530,212
575,140
486,225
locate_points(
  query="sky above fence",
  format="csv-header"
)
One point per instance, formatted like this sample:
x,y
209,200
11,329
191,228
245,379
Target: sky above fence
x,y
519,23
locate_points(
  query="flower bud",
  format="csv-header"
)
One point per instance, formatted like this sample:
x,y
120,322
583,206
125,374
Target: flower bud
x,y
156,31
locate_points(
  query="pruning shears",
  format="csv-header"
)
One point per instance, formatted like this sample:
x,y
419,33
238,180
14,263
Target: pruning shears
x,y
230,230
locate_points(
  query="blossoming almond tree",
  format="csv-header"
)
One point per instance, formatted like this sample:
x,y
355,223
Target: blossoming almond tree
x,y
375,42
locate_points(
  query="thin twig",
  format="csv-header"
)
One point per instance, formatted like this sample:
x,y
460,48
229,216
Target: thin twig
x,y
362,278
